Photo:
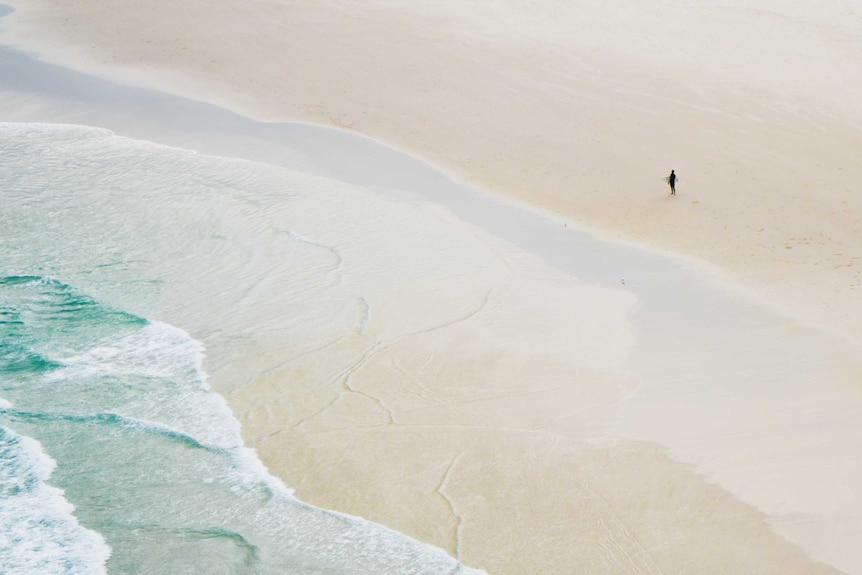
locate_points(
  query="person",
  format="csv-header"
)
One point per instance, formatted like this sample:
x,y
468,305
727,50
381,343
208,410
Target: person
x,y
671,180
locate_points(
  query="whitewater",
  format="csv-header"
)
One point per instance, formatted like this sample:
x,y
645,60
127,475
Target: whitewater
x,y
477,374
116,455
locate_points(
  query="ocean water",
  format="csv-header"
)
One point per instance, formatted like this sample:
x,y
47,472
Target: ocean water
x,y
115,454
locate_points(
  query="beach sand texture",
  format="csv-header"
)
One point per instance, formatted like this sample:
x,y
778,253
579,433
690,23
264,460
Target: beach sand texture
x,y
577,108
711,441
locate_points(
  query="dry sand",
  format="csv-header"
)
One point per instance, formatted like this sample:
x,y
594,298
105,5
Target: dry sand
x,y
582,111
573,107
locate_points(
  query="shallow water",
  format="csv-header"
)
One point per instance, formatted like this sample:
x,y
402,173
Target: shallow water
x,y
145,232
112,442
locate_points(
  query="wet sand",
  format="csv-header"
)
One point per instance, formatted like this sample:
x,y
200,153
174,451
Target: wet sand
x,y
537,413
579,110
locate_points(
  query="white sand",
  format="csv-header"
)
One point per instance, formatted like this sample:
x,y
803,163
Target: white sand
x,y
755,105
452,417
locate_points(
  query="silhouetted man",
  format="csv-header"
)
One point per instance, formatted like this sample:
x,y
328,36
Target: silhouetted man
x,y
671,180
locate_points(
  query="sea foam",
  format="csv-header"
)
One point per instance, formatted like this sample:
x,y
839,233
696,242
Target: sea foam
x,y
150,457
38,530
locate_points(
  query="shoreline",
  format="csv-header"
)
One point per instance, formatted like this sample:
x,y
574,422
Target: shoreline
x,y
766,188
548,471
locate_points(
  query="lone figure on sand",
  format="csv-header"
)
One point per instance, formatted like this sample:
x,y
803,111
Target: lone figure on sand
x,y
671,180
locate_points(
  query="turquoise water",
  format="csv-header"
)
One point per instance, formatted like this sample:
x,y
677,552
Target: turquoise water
x,y
115,455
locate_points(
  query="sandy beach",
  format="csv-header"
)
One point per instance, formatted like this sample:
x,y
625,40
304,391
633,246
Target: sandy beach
x,y
755,107
676,391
